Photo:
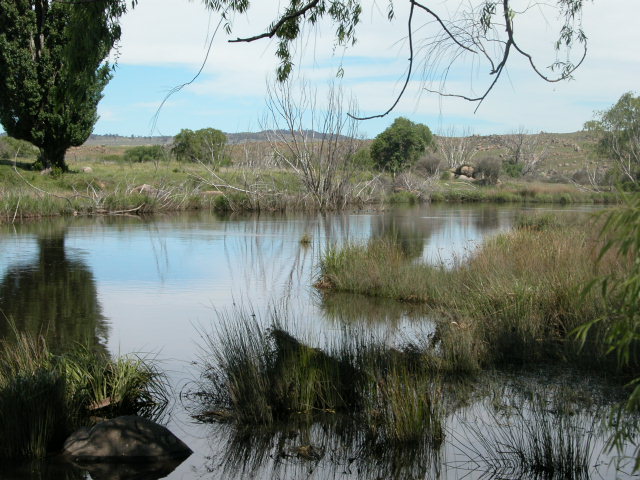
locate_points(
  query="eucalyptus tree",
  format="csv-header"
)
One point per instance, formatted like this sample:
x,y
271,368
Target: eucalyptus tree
x,y
53,69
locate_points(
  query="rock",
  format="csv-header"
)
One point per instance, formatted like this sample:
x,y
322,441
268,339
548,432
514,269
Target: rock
x,y
146,189
127,438
87,169
466,170
152,470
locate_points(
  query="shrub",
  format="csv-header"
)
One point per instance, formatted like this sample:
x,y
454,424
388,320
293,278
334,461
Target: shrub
x,y
428,165
400,145
490,169
514,170
144,153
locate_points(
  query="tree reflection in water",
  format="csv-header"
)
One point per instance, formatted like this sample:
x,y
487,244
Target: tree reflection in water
x,y
55,296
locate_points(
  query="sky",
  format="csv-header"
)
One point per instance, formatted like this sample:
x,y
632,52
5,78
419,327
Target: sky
x,y
164,43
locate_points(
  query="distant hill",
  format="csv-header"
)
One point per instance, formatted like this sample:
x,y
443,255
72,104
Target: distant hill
x,y
232,138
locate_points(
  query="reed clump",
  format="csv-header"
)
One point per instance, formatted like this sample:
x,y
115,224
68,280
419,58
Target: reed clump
x,y
257,375
44,397
516,299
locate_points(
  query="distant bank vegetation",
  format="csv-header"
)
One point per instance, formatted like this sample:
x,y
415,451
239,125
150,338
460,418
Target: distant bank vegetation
x,y
295,168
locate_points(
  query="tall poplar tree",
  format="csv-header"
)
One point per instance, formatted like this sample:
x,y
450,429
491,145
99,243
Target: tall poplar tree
x,y
53,70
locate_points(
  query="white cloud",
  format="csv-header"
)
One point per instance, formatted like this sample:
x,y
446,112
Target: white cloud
x,y
175,32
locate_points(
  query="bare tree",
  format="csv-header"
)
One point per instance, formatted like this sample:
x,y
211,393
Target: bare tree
x,y
456,149
317,143
525,150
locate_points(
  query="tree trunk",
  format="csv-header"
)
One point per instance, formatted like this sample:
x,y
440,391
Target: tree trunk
x,y
52,157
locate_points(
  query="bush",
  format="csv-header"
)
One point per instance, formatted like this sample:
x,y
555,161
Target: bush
x,y
144,153
514,170
489,169
205,145
400,145
362,160
428,165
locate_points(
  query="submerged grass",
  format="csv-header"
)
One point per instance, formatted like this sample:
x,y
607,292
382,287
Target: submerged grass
x,y
258,375
516,299
44,397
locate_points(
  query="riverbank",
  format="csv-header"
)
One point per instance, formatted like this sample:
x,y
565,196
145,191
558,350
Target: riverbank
x,y
103,187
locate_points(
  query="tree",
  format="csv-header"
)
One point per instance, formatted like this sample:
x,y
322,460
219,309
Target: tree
x,y
479,32
53,70
619,130
524,151
400,145
205,145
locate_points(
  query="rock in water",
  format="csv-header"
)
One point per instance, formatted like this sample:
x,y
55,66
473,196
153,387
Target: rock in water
x,y
127,438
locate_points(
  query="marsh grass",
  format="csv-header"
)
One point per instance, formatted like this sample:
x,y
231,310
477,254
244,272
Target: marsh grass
x,y
258,375
539,438
44,397
515,300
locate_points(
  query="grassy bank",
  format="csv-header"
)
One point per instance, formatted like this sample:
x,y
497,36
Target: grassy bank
x,y
108,185
516,299
45,397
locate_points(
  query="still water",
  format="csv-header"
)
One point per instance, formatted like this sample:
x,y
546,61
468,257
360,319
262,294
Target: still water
x,y
155,285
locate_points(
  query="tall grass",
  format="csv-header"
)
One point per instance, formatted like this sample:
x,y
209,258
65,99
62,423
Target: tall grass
x,y
44,397
516,299
258,375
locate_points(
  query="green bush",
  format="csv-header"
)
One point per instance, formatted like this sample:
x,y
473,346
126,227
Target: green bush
x,y
514,170
144,153
400,145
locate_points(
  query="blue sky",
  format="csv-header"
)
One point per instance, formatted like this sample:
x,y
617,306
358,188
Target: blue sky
x,y
164,42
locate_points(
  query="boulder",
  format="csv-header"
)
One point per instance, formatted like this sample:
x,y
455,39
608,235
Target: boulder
x,y
87,169
127,438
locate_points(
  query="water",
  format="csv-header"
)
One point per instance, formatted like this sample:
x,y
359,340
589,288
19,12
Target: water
x,y
153,286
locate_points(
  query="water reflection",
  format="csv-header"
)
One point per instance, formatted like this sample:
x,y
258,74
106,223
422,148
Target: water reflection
x,y
54,295
335,447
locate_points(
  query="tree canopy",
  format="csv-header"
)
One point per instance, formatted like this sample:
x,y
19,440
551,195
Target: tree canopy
x,y
619,130
400,145
53,70
205,145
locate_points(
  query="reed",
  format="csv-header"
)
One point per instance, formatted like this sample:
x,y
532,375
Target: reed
x,y
262,376
516,299
44,397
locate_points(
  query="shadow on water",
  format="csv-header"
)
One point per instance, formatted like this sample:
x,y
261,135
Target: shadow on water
x,y
58,468
54,295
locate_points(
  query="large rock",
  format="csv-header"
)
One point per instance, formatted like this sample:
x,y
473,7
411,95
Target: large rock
x,y
127,438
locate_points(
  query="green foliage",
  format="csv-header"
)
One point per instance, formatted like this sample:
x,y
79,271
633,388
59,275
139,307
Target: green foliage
x,y
53,70
205,145
344,14
514,170
400,145
145,153
619,130
622,233
362,159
